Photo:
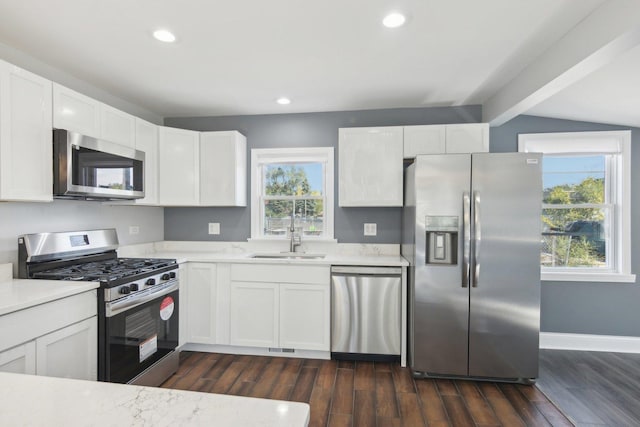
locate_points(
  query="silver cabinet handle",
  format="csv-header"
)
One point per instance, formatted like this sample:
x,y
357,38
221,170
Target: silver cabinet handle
x,y
478,236
466,239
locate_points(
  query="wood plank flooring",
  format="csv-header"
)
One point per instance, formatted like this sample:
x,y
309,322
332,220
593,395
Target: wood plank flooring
x,y
593,388
366,393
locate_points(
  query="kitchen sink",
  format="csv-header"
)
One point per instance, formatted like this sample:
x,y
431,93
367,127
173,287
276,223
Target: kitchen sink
x,y
287,255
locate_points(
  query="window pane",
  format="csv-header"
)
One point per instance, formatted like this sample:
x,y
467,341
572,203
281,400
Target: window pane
x,y
294,179
572,180
309,217
574,237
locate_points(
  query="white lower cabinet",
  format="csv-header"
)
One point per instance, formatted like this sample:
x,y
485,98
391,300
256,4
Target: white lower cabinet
x,y
254,314
257,306
280,306
304,316
70,352
20,359
201,303
56,339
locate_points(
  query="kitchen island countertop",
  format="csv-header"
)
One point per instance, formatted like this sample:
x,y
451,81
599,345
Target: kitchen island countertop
x,y
45,401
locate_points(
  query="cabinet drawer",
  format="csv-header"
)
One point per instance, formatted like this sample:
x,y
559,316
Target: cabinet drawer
x,y
279,273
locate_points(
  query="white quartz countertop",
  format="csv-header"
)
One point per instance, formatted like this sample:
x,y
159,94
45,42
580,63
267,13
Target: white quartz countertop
x,y
18,294
44,401
329,259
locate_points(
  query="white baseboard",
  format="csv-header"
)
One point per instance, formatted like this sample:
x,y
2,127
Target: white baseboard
x,y
584,342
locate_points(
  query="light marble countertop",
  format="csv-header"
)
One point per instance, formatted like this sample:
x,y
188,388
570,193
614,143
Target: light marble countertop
x,y
45,401
18,294
242,252
329,259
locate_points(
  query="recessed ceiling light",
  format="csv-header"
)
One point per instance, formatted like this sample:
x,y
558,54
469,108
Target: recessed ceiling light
x,y
283,101
164,36
394,20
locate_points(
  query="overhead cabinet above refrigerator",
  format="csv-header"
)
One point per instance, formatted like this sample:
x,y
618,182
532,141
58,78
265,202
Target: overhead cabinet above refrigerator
x,y
471,231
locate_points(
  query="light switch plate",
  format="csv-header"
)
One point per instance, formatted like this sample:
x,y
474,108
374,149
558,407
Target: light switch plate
x,y
134,229
370,229
214,228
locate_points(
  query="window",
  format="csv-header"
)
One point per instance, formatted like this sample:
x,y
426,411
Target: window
x,y
585,204
293,184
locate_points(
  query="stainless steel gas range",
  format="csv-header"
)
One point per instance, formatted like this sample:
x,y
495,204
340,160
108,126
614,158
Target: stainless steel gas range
x,y
137,300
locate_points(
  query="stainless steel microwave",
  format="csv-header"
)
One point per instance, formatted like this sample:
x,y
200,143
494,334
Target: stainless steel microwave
x,y
89,168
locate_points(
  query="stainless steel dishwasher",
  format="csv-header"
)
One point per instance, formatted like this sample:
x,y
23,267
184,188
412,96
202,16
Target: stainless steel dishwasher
x,y
365,313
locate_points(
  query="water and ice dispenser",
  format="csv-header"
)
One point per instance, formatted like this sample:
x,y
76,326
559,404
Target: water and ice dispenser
x,y
442,240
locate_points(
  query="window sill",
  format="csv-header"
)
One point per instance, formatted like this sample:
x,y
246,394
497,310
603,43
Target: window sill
x,y
588,277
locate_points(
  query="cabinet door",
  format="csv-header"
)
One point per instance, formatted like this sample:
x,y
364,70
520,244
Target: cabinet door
x,y
468,138
304,316
201,303
183,274
25,135
75,112
117,126
254,314
179,161
70,352
20,359
427,139
147,141
223,169
370,165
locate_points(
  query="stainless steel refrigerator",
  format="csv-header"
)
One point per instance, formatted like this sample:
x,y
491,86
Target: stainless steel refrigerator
x,y
471,232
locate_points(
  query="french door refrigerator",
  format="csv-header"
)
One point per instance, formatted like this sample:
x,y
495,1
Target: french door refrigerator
x,y
472,235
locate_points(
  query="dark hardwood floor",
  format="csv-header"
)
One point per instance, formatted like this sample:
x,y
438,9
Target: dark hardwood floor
x,y
366,393
593,388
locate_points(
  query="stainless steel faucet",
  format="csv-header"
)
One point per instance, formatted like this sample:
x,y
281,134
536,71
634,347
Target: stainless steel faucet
x,y
295,240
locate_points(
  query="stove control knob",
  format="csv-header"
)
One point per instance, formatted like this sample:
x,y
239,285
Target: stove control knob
x,y
172,274
124,290
165,276
133,286
150,282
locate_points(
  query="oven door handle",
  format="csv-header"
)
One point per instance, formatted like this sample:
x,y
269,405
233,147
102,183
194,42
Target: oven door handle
x,y
116,307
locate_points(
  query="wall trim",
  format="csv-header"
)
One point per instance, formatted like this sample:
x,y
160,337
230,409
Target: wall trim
x,y
585,342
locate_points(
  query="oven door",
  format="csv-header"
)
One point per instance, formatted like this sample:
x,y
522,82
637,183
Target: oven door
x,y
138,334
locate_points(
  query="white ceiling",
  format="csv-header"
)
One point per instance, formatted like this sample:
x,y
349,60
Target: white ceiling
x,y
237,57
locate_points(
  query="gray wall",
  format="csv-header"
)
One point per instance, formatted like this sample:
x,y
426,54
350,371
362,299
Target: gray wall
x,y
576,307
303,130
69,215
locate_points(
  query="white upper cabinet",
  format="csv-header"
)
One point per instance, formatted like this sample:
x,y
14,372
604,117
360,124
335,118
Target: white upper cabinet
x,y
25,135
117,126
441,139
223,169
425,139
75,112
468,138
179,161
370,166
147,141
79,113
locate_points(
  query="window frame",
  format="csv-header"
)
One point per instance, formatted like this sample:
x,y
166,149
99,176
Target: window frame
x,y
617,144
262,156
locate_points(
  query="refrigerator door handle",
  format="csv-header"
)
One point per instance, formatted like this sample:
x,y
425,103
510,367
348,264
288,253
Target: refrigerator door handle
x,y
477,238
466,233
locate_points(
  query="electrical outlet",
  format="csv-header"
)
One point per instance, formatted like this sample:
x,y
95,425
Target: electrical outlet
x,y
214,228
370,229
134,229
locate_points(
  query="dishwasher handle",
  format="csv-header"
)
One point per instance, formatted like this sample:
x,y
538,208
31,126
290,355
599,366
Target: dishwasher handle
x,y
366,271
